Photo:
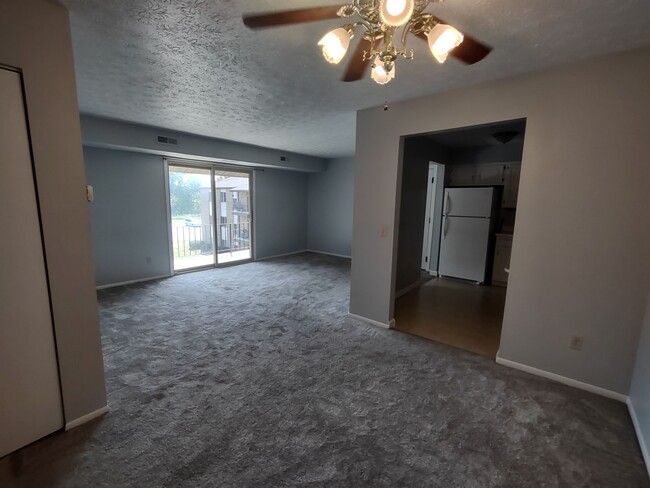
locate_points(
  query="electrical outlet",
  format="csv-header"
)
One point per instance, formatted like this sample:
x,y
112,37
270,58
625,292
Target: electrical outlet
x,y
576,342
148,259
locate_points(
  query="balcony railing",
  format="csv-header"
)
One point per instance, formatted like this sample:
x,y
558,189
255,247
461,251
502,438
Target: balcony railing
x,y
193,240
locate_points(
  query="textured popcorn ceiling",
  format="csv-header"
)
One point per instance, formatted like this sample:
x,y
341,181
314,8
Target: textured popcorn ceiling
x,y
191,65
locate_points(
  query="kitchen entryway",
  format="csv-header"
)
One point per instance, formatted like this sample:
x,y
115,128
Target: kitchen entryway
x,y
455,313
458,207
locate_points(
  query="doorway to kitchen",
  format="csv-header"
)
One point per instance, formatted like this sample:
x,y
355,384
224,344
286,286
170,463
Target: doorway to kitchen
x,y
210,215
456,226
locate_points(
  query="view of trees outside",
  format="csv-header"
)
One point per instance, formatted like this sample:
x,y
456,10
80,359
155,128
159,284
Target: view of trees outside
x,y
184,194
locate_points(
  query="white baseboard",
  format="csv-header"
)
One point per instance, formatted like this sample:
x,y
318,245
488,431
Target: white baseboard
x,y
122,283
330,254
639,434
86,418
376,323
562,379
411,287
281,255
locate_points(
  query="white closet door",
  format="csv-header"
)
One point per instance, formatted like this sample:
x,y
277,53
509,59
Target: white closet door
x,y
30,396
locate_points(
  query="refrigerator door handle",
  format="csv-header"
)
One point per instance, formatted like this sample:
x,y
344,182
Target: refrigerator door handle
x,y
445,228
447,204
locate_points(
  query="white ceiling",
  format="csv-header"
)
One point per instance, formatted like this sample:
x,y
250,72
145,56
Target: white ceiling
x,y
191,65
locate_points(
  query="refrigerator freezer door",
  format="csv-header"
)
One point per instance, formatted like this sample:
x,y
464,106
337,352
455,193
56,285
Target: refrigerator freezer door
x,y
469,202
464,248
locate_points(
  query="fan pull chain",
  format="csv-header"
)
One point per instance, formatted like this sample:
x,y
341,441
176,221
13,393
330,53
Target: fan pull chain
x,y
385,97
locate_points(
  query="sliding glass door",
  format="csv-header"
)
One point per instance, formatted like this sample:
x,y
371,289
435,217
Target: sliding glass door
x,y
210,215
233,192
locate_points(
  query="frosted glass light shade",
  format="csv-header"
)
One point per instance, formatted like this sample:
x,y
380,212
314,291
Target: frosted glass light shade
x,y
379,73
442,39
396,12
335,44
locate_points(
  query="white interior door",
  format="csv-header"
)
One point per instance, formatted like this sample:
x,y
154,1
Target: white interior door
x,y
428,218
30,397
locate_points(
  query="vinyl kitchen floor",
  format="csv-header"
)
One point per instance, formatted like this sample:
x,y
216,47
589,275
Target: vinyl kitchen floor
x,y
453,312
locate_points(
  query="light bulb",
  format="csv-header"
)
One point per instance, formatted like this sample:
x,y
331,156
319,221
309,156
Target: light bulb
x,y
396,12
335,44
395,7
442,39
379,73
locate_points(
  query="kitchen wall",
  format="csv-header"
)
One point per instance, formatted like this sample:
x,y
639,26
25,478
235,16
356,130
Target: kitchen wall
x,y
582,172
640,390
331,196
35,37
501,153
413,183
128,215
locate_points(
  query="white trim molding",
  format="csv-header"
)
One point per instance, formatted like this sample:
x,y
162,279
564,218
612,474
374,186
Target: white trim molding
x,y
86,418
131,282
412,286
639,434
281,255
389,325
562,379
329,254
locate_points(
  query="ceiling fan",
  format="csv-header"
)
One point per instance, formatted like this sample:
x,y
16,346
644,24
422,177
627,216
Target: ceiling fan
x,y
379,22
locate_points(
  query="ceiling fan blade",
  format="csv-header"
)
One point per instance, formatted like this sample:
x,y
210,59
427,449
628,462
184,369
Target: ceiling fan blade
x,y
287,17
470,50
357,66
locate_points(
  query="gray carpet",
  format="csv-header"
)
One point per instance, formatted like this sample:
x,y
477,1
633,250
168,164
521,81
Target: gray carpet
x,y
254,376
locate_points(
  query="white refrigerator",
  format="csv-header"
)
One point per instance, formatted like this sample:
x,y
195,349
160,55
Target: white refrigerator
x,y
466,227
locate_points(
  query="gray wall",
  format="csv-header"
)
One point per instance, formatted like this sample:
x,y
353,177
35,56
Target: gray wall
x,y
35,37
640,390
412,184
128,215
489,154
580,250
331,197
280,213
112,134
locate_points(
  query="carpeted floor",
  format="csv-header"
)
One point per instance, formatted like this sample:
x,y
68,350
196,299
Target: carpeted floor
x,y
254,376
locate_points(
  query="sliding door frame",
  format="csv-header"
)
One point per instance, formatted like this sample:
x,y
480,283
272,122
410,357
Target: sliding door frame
x,y
213,168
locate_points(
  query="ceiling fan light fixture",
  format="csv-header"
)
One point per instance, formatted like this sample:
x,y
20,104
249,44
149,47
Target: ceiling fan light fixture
x,y
335,44
379,72
396,12
442,39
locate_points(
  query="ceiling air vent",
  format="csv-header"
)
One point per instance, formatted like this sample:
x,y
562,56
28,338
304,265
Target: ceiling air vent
x,y
167,140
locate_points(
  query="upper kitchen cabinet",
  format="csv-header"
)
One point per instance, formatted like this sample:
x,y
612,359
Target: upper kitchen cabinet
x,y
490,174
512,171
